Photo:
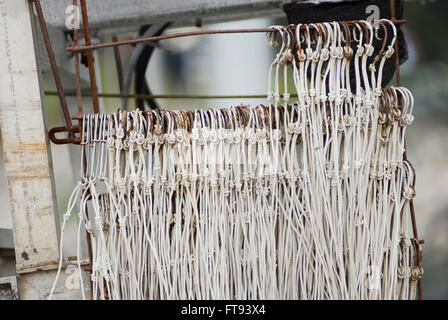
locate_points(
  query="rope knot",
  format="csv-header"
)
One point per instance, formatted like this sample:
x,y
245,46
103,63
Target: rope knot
x,y
409,119
360,51
309,53
409,193
369,50
301,55
378,92
120,133
390,52
416,273
122,221
110,143
324,54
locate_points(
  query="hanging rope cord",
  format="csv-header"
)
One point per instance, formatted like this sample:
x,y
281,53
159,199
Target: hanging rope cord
x,y
309,200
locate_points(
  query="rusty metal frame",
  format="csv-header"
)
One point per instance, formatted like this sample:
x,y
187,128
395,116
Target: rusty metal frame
x,y
189,34
416,241
54,69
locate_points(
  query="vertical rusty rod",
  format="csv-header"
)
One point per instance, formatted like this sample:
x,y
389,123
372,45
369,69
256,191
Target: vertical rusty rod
x,y
89,55
118,65
396,47
80,118
76,57
54,68
414,222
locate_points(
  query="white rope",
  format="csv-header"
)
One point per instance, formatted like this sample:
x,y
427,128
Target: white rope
x,y
302,201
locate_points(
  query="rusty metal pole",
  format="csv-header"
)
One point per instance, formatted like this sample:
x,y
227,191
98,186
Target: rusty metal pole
x,y
118,65
417,242
54,68
89,55
188,34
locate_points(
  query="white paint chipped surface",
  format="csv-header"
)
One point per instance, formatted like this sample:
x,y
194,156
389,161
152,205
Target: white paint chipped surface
x,y
25,145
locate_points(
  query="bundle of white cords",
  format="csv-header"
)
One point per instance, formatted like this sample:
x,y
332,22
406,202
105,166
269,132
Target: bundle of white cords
x,y
302,201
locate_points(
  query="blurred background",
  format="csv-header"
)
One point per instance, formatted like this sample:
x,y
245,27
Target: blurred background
x,y
238,65
426,75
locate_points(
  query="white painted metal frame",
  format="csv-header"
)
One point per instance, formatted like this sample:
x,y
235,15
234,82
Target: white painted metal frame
x,y
27,156
25,145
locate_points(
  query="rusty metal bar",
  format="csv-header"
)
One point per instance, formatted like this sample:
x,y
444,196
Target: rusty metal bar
x,y
70,139
171,36
118,65
54,68
165,96
187,34
88,54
